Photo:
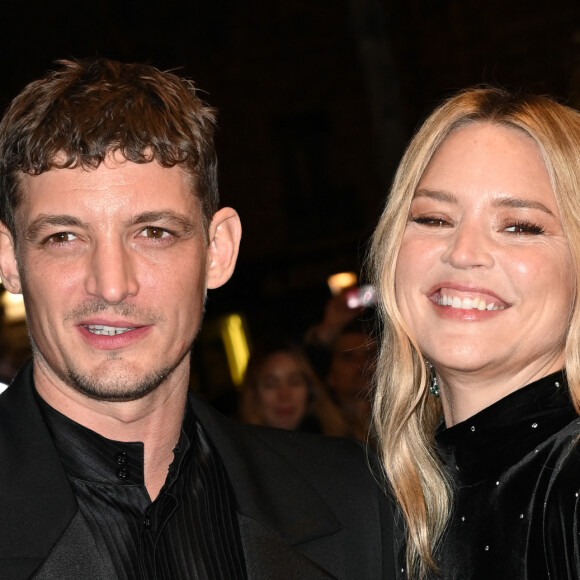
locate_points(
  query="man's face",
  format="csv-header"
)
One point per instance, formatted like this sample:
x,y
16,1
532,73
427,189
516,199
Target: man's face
x,y
113,266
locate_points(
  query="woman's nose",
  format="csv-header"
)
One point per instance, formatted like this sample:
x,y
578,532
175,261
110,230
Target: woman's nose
x,y
284,391
469,247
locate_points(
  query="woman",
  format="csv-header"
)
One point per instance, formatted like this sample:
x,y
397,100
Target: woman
x,y
478,380
281,390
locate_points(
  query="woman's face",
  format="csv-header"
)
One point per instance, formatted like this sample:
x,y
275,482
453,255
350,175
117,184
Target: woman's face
x,y
282,391
484,276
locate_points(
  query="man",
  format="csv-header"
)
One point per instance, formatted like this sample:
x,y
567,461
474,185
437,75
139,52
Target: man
x,y
109,468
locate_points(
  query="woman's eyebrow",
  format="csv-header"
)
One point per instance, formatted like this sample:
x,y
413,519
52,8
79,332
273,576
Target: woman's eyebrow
x,y
502,201
521,203
437,194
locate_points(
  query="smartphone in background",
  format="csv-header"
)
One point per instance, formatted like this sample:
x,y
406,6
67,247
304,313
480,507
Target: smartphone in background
x,y
363,296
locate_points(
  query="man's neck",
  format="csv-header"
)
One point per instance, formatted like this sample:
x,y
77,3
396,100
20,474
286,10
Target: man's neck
x,y
155,420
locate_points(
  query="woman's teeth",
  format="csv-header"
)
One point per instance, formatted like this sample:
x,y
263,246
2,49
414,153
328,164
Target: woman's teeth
x,y
108,330
476,303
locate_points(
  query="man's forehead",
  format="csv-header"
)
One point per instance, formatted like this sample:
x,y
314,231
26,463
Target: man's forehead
x,y
116,185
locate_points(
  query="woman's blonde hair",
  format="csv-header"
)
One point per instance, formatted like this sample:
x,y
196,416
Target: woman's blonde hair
x,y
405,415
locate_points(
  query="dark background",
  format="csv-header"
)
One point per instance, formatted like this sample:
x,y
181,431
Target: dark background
x,y
317,99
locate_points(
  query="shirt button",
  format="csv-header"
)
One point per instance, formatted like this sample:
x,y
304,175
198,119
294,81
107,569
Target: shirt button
x,y
122,473
147,521
121,458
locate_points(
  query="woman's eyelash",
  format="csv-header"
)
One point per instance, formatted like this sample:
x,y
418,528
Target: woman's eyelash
x,y
519,227
428,220
523,227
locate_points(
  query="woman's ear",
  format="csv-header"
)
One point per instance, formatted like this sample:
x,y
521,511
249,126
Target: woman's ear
x,y
8,266
225,232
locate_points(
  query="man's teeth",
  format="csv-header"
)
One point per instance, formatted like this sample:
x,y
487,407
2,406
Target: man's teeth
x,y
108,330
476,303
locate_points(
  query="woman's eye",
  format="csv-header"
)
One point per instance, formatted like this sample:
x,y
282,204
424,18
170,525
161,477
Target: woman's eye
x,y
267,384
435,222
525,228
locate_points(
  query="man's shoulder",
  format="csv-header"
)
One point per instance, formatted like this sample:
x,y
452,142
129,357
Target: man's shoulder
x,y
314,456
323,449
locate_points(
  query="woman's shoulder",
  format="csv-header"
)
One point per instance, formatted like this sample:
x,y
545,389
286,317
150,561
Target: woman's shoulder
x,y
563,463
561,505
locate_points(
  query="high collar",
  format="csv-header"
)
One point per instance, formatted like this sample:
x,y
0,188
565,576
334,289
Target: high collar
x,y
89,456
506,431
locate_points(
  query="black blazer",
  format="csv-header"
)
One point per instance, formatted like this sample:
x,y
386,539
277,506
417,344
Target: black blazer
x,y
308,505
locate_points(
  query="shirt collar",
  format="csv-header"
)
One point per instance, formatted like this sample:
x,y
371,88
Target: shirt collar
x,y
88,456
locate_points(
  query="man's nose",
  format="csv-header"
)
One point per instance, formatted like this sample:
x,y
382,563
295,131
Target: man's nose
x,y
111,274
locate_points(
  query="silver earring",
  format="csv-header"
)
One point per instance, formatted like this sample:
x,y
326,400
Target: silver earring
x,y
434,386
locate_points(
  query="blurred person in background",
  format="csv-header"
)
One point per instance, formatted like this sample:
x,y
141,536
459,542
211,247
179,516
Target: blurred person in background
x,y
343,350
281,390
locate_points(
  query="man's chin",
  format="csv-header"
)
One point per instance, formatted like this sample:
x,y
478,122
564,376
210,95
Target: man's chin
x,y
119,387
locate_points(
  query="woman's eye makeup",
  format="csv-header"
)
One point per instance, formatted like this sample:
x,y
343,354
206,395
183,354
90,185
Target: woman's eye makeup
x,y
518,227
524,227
433,221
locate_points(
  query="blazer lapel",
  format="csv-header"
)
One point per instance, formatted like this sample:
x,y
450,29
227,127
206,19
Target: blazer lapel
x,y
281,515
36,501
268,556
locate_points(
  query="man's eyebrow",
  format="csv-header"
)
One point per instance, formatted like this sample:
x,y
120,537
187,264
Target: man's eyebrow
x,y
44,220
165,216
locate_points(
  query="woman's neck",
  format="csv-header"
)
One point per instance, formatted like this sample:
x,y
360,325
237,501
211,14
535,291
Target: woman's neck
x,y
464,394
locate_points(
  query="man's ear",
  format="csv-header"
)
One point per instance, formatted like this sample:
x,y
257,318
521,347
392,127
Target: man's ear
x,y
8,266
225,232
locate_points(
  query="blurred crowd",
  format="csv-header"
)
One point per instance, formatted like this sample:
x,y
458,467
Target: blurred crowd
x,y
320,383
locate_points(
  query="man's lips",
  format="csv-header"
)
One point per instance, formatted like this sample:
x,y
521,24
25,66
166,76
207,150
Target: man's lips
x,y
100,329
467,298
107,330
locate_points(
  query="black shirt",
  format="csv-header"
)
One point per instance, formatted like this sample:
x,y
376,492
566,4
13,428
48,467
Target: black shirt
x,y
190,531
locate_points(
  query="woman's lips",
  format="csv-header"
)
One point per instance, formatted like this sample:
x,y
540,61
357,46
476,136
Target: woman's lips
x,y
468,298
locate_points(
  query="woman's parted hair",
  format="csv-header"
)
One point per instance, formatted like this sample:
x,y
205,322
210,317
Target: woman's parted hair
x,y
85,110
404,414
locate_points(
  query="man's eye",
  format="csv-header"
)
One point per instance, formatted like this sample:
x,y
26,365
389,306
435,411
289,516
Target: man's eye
x,y
61,238
155,233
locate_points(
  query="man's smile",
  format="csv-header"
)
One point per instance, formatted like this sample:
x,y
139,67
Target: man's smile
x,y
107,330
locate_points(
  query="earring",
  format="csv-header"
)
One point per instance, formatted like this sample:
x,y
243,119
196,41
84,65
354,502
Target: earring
x,y
434,386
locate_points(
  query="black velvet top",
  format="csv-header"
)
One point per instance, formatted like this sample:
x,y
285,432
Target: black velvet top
x,y
516,467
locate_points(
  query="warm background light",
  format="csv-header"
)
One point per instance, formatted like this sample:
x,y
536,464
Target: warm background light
x,y
13,306
235,341
338,282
